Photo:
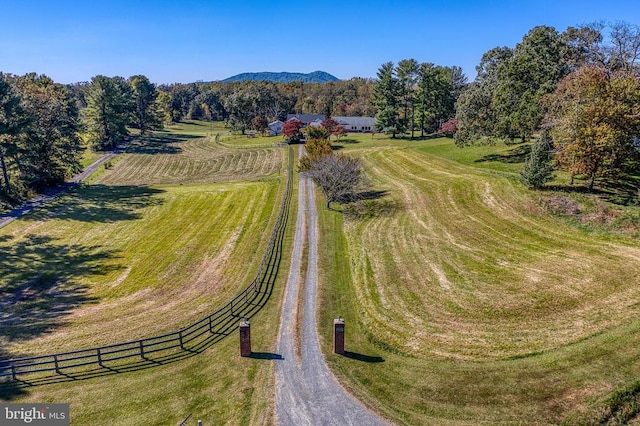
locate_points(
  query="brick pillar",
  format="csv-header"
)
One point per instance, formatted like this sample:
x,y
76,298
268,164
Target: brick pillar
x,y
338,336
245,337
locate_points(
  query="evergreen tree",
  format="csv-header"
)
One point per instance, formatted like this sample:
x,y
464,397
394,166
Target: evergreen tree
x,y
434,97
475,110
387,100
537,168
13,121
147,115
110,105
241,107
407,78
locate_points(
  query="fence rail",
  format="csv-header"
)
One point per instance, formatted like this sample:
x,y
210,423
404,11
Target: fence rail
x,y
191,338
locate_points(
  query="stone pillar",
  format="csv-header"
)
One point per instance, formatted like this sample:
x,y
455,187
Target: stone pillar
x,y
245,337
338,336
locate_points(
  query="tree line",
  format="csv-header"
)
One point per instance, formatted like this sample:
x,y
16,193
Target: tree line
x,y
45,126
253,104
415,97
39,134
578,91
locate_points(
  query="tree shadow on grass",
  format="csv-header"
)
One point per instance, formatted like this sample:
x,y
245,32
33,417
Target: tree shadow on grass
x,y
515,155
348,141
40,286
159,143
40,283
363,358
371,195
100,203
225,324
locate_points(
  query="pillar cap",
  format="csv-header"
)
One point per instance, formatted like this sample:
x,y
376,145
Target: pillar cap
x,y
338,320
244,323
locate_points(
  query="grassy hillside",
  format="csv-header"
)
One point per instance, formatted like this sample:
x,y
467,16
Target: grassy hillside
x,y
469,303
162,236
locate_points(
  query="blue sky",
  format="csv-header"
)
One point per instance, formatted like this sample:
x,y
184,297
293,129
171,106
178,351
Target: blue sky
x,y
185,41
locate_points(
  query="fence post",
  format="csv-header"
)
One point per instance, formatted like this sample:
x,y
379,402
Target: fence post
x,y
338,336
180,337
231,307
13,372
55,360
245,337
142,350
99,357
210,325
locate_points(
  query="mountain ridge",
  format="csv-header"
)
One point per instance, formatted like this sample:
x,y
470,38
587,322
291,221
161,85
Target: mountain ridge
x,y
283,77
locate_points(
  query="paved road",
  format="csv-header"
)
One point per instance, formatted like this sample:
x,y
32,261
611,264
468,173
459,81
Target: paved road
x,y
307,393
38,201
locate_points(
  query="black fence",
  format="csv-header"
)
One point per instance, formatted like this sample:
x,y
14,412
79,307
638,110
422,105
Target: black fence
x,y
191,339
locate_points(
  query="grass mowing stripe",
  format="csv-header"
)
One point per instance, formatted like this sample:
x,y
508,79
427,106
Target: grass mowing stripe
x,y
486,309
217,386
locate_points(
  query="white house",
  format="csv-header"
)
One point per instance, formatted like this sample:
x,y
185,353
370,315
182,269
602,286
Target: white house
x,y
357,124
351,124
275,128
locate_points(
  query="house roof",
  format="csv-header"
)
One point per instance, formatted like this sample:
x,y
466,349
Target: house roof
x,y
306,118
275,122
356,121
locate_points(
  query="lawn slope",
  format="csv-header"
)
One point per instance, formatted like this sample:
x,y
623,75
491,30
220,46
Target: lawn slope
x,y
157,239
481,306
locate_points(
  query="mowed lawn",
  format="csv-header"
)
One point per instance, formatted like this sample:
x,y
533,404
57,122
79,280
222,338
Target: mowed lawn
x,y
469,304
164,235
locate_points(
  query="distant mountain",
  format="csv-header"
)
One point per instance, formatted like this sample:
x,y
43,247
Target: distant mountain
x,y
283,77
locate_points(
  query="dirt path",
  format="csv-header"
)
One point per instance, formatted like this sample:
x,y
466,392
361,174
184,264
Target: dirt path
x,y
41,199
307,393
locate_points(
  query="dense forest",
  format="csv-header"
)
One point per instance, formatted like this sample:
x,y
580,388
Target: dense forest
x,y
576,94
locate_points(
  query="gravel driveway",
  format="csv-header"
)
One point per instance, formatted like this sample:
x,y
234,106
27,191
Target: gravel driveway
x,y
307,393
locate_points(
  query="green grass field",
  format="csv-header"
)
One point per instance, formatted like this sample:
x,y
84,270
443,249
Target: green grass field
x,y
171,231
482,307
467,302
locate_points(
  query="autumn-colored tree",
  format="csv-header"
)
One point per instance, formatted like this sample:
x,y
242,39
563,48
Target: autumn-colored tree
x,y
329,124
339,131
449,127
314,148
292,130
594,120
260,124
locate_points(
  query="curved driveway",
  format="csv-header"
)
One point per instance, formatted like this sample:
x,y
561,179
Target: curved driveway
x,y
52,193
306,391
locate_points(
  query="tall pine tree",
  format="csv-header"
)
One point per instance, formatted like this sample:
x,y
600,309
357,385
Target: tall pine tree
x,y
387,99
146,115
110,105
537,168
